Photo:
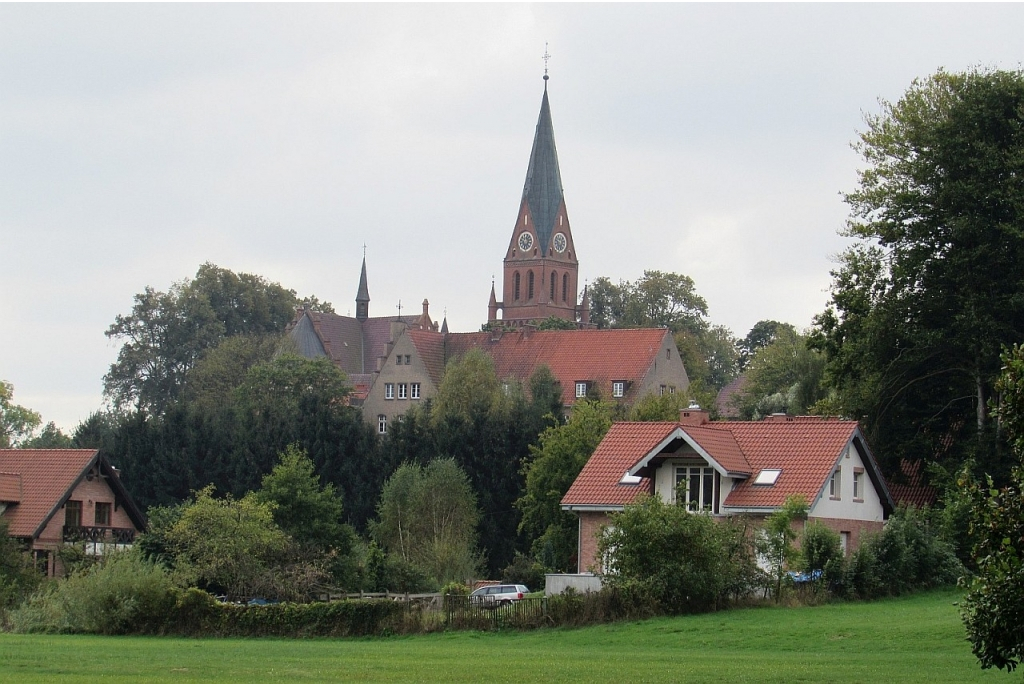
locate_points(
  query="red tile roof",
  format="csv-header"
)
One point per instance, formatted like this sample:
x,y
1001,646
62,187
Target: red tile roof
x,y
623,445
805,449
727,397
598,356
914,491
46,476
430,346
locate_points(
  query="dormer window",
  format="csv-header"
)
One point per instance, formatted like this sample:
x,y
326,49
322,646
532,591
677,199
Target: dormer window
x,y
581,389
618,388
767,477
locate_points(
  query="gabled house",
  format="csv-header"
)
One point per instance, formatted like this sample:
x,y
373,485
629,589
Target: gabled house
x,y
51,497
727,468
619,365
356,344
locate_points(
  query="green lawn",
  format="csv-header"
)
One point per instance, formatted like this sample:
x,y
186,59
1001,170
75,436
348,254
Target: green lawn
x,y
919,639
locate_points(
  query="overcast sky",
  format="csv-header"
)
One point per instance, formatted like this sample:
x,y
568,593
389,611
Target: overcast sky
x,y
139,141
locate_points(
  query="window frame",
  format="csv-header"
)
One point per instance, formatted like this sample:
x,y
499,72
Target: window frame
x,y
707,499
858,484
414,391
618,389
403,391
835,484
73,513
581,386
382,424
389,391
107,507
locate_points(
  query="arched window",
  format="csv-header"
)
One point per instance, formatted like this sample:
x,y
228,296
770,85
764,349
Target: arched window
x,y
565,287
517,285
529,285
552,298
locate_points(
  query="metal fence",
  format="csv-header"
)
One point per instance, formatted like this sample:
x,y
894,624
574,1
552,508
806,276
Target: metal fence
x,y
460,612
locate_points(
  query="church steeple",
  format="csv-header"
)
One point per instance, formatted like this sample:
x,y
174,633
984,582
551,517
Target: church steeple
x,y
363,296
540,274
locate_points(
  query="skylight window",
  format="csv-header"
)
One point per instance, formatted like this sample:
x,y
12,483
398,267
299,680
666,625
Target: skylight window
x,y
629,480
767,477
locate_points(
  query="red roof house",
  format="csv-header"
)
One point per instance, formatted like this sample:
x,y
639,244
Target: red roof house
x,y
51,497
619,364
726,468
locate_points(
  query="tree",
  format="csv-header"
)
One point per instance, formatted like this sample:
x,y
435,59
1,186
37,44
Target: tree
x,y
784,376
227,545
686,562
922,303
775,543
427,516
16,422
18,575
656,299
552,467
307,511
49,438
469,385
167,332
761,335
994,603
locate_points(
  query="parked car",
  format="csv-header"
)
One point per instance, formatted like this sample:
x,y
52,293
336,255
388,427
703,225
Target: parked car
x,y
497,595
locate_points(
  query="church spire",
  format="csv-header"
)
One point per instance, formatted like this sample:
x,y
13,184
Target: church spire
x,y
542,192
363,296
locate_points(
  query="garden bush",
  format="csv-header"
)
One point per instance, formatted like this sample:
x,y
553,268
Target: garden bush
x,y
822,551
122,594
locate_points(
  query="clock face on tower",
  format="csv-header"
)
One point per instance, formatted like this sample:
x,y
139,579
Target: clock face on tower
x,y
559,241
525,241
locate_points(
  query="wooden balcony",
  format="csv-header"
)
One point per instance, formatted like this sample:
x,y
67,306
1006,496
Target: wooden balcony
x,y
116,536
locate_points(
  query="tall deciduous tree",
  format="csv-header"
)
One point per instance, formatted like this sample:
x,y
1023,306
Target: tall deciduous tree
x,y
167,332
16,422
935,285
427,516
783,376
551,469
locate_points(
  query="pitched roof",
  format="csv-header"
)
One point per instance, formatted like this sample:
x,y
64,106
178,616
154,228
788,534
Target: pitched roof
x,y
46,478
352,344
600,481
725,402
543,189
805,449
595,355
913,491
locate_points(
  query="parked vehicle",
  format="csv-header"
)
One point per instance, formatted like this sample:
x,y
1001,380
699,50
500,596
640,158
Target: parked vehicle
x,y
497,595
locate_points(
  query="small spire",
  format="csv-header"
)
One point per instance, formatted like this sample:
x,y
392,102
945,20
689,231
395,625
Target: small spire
x,y
363,294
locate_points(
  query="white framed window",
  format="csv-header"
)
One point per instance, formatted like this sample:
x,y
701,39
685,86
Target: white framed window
x,y
858,485
415,391
382,423
389,391
696,486
844,541
767,477
581,388
661,389
835,484
618,388
403,391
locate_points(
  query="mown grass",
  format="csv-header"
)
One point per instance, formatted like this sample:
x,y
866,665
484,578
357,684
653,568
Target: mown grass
x,y
915,639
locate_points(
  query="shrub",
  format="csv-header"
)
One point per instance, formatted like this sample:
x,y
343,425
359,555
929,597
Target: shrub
x,y
18,575
684,561
823,552
122,594
524,571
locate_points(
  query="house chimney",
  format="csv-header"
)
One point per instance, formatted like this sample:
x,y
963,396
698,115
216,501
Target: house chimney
x,y
693,416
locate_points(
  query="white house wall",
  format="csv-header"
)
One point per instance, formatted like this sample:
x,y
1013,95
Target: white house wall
x,y
868,508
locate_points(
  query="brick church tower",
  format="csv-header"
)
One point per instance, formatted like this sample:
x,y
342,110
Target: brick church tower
x,y
540,275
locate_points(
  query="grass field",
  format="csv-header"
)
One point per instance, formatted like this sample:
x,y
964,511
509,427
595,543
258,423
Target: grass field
x,y
916,639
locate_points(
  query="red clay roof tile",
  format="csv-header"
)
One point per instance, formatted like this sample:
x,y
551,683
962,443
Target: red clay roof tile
x,y
46,475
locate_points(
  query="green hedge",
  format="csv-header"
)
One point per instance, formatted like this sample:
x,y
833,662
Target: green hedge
x,y
196,613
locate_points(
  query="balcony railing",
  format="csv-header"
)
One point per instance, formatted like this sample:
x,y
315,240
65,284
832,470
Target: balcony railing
x,y
116,536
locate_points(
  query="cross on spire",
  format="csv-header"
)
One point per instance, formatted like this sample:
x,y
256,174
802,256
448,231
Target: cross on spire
x,y
545,57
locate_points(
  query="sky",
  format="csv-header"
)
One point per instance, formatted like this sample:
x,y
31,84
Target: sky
x,y
138,141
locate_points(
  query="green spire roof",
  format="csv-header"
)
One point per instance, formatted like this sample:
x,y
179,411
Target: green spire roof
x,y
543,189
